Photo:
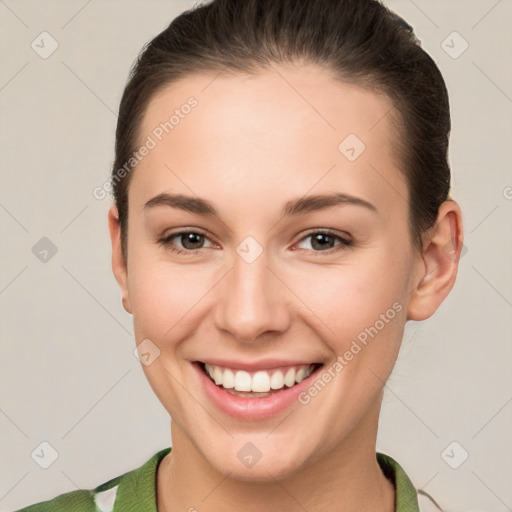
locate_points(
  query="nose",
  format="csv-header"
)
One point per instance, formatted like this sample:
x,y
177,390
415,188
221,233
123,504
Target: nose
x,y
252,301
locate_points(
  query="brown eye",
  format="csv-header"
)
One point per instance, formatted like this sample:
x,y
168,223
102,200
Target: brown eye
x,y
191,242
325,241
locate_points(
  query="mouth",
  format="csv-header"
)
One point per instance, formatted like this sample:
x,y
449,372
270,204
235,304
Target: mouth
x,y
261,383
255,391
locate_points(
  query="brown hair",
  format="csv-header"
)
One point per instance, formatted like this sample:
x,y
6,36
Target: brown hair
x,y
360,41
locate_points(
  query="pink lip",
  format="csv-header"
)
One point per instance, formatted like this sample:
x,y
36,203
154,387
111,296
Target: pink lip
x,y
265,364
251,408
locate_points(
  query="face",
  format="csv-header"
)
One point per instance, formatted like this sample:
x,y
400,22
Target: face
x,y
272,280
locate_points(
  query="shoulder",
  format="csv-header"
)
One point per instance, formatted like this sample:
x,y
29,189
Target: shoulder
x,y
78,501
408,498
133,487
100,499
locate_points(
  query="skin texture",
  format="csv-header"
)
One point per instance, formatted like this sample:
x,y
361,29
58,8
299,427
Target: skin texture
x,y
252,144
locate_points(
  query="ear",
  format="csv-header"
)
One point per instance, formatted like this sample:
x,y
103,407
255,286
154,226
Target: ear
x,y
119,265
440,261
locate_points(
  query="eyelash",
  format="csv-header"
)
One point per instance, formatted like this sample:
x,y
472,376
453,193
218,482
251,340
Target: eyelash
x,y
345,244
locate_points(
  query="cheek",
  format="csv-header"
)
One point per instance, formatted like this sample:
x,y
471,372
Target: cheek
x,y
165,303
360,315
361,302
164,298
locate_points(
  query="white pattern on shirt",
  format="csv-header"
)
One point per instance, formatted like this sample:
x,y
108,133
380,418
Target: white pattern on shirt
x,y
105,500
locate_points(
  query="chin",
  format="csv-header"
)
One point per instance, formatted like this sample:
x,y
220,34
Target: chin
x,y
267,464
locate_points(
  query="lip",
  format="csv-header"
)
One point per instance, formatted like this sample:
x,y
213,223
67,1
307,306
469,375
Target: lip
x,y
252,409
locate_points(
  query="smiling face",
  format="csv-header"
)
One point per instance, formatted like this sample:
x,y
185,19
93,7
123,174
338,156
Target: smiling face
x,y
258,284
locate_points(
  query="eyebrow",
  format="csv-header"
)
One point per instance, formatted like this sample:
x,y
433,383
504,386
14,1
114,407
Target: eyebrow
x,y
300,206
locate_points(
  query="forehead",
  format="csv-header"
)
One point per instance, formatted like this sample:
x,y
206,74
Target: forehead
x,y
283,132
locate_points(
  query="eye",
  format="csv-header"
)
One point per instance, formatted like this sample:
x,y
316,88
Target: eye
x,y
191,241
324,241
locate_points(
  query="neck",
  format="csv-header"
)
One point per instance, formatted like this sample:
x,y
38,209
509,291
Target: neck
x,y
346,478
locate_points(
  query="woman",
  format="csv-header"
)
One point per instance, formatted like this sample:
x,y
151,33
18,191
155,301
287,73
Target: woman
x,y
281,211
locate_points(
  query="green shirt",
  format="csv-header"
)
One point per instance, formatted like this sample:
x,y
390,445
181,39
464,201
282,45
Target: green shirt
x,y
134,491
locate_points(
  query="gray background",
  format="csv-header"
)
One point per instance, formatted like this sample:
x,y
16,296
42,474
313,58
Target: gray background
x,y
68,375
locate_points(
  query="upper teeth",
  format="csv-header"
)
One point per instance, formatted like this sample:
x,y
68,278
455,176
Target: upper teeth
x,y
260,381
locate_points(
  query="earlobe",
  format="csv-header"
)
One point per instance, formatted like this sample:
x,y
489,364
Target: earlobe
x,y
119,266
440,256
